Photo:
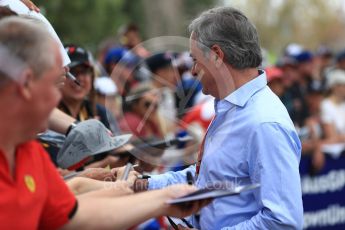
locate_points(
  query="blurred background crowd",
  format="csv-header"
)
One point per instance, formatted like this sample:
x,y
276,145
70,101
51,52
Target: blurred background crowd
x,y
132,88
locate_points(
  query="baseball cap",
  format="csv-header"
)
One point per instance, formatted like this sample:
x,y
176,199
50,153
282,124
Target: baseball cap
x,y
335,77
160,60
105,86
298,53
293,49
88,138
304,56
122,55
78,56
273,73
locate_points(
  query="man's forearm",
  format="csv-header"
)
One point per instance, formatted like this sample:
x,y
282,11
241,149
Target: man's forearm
x,y
126,211
169,178
104,213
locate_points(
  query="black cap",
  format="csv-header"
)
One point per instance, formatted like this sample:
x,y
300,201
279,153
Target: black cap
x,y
160,61
78,56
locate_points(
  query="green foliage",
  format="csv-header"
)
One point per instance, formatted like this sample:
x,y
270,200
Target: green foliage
x,y
146,13
84,22
193,7
88,22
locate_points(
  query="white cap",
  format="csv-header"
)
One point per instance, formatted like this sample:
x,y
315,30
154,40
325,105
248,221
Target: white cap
x,y
105,86
294,49
335,77
21,9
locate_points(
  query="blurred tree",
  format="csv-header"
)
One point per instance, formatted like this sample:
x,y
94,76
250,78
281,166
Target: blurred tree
x,y
164,17
308,22
88,22
84,22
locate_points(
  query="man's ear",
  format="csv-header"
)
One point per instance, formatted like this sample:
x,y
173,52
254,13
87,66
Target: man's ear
x,y
25,86
217,54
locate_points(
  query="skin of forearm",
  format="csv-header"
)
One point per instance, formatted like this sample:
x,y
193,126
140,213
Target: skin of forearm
x,y
59,121
94,188
80,185
107,192
117,213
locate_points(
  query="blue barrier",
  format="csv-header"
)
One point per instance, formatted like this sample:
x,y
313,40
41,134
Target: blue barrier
x,y
324,194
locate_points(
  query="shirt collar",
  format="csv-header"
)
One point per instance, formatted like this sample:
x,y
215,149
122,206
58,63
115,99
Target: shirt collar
x,y
240,96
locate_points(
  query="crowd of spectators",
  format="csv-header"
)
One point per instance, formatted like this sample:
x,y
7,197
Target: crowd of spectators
x,y
311,86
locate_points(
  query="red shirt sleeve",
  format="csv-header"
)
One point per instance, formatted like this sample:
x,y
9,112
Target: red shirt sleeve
x,y
60,202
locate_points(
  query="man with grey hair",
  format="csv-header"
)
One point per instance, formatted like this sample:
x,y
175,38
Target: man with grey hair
x,y
33,195
250,140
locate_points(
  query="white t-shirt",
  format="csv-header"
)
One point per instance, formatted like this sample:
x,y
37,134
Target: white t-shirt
x,y
332,113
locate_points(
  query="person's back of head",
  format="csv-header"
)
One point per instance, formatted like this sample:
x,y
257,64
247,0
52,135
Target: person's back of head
x,y
24,44
233,32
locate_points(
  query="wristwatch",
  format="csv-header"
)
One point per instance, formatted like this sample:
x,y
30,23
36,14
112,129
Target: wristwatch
x,y
140,185
72,126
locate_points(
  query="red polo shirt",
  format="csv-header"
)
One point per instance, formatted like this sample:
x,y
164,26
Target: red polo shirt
x,y
35,197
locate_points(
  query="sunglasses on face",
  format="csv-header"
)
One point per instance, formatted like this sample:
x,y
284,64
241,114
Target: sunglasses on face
x,y
150,104
85,71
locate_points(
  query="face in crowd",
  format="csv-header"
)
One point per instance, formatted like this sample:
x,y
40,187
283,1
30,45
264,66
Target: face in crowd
x,y
74,92
147,105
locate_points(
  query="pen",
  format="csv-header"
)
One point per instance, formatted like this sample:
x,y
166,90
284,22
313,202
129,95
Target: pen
x,y
172,223
70,76
128,168
71,175
190,179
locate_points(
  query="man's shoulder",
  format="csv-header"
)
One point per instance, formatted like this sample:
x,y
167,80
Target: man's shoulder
x,y
31,146
33,150
266,107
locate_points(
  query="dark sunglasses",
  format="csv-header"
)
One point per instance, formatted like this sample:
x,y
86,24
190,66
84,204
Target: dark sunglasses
x,y
81,70
148,105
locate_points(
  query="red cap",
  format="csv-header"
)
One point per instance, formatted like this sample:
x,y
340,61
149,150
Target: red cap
x,y
273,73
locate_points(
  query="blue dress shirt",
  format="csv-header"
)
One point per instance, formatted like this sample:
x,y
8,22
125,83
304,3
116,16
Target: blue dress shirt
x,y
251,140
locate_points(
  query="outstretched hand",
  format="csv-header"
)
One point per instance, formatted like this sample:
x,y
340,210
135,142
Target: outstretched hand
x,y
31,5
183,209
